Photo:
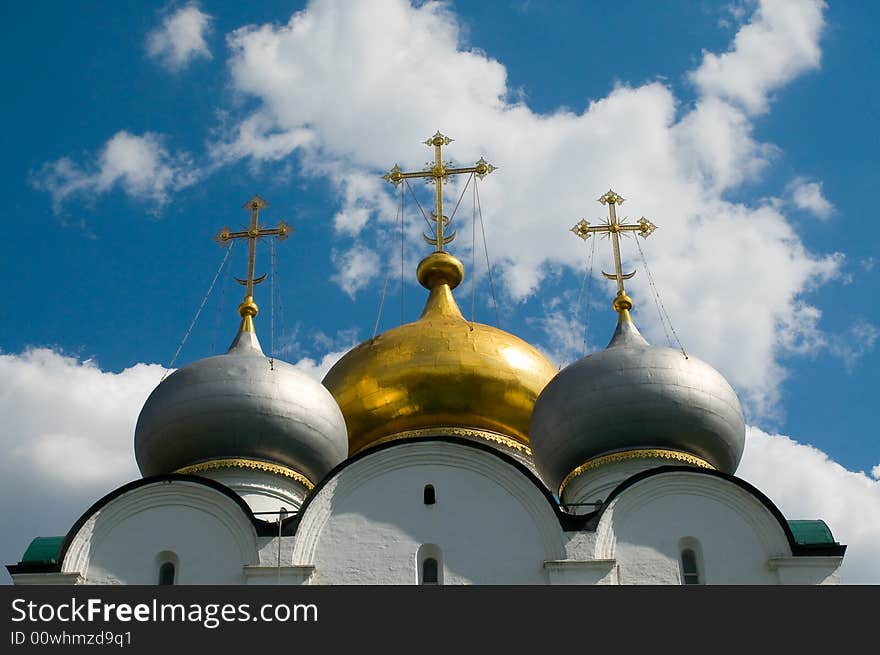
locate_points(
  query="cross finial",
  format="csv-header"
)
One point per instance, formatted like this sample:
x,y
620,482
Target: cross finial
x,y
437,173
614,227
248,308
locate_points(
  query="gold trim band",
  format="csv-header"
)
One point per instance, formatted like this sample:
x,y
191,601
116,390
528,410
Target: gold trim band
x,y
643,453
252,464
467,433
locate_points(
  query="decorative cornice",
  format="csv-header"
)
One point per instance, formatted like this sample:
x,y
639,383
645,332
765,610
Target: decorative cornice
x,y
253,464
467,433
642,453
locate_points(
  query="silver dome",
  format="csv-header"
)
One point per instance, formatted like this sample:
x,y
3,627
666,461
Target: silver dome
x,y
240,405
631,396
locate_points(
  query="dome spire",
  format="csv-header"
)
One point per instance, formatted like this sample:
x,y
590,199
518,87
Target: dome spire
x,y
614,227
439,272
440,375
248,309
438,173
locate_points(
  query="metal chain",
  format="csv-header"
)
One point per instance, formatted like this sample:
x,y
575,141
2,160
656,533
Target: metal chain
x,y
424,215
272,269
280,297
661,308
381,302
198,311
402,241
589,299
387,277
588,274
486,250
220,307
452,215
474,258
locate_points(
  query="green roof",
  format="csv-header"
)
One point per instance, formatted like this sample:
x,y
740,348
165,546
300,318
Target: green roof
x,y
811,532
43,550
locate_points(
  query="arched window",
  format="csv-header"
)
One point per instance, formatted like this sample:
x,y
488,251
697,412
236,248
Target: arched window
x,y
690,573
429,565
430,573
166,573
430,494
168,566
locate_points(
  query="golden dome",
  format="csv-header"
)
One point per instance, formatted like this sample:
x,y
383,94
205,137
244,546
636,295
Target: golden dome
x,y
440,374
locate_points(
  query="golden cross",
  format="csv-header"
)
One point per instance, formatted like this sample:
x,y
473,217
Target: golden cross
x,y
254,232
614,227
439,172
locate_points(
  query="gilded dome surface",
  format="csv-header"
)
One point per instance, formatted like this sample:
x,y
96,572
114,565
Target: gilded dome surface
x,y
636,397
438,373
241,406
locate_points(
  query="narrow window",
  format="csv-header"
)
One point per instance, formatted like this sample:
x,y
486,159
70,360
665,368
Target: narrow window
x,y
429,565
166,573
430,572
689,572
430,494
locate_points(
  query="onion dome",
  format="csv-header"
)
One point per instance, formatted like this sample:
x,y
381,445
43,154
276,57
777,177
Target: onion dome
x,y
440,375
634,400
241,409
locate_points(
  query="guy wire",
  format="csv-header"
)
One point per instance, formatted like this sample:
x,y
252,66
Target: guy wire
x,y
486,250
198,311
661,308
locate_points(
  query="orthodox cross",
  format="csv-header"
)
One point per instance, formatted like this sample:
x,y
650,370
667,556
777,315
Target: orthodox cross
x,y
614,227
438,173
254,232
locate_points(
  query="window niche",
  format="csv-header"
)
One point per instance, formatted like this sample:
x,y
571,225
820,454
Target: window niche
x,y
690,560
429,565
167,565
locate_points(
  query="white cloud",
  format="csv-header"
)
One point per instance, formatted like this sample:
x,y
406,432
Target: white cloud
x,y
876,472
729,272
317,367
800,335
180,38
562,323
853,344
737,11
256,137
140,165
355,268
805,484
87,435
67,439
734,277
808,196
315,353
363,198
779,43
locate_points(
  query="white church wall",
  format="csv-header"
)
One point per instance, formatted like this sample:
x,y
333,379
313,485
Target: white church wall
x,y
582,572
580,544
591,487
490,523
203,531
732,533
811,570
261,490
278,575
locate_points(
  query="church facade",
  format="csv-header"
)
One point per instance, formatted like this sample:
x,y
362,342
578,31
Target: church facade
x,y
442,451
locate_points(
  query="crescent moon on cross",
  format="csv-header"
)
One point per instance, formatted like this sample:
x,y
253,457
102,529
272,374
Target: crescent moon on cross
x,y
610,276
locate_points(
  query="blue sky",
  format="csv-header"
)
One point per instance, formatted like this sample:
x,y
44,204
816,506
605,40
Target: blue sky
x,y
746,132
